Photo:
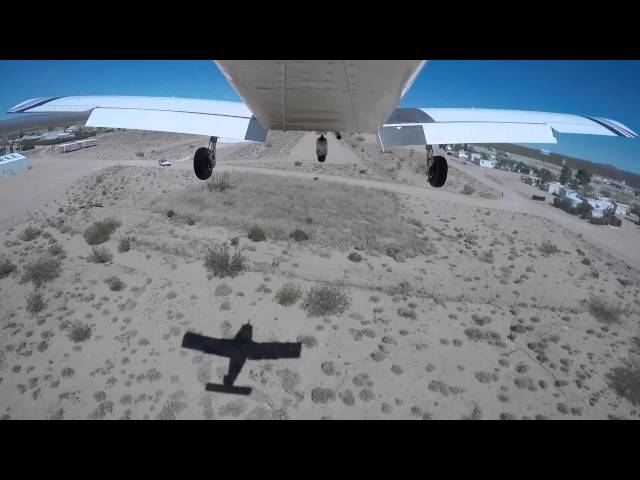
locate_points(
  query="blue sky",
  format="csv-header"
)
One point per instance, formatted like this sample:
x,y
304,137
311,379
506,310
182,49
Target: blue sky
x,y
600,88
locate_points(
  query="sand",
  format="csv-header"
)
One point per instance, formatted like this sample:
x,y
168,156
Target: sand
x,y
453,309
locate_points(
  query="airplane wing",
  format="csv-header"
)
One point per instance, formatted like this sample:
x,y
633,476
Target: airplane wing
x,y
274,350
163,114
433,126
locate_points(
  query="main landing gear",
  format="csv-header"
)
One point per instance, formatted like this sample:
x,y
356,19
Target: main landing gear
x,y
437,168
322,148
204,161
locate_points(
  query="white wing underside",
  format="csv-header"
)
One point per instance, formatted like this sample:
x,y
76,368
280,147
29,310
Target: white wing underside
x,y
323,95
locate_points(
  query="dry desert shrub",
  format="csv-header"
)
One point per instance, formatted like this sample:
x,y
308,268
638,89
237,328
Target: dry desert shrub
x,y
219,183
625,380
468,190
35,302
6,267
256,234
124,245
221,264
355,257
115,284
324,300
548,248
41,270
288,294
30,233
299,235
604,311
79,332
99,255
100,232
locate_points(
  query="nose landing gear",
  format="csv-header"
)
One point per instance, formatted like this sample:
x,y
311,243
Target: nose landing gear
x,y
322,148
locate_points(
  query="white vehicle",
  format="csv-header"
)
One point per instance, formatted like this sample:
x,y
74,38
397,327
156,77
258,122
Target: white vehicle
x,y
310,95
164,163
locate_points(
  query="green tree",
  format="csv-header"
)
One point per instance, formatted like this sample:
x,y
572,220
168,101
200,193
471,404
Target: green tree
x,y
635,210
545,175
583,177
584,209
565,175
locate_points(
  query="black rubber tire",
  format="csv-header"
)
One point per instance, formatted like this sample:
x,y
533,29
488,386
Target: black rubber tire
x,y
201,163
322,158
438,174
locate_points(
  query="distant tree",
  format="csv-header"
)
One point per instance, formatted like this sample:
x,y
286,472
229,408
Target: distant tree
x,y
583,177
635,210
545,175
584,209
588,190
565,175
605,193
573,183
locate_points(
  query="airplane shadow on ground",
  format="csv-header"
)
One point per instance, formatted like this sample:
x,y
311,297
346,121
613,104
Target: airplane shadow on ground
x,y
239,349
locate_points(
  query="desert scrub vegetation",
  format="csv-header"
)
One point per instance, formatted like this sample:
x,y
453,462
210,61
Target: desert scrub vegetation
x,y
299,235
548,248
100,231
219,182
99,255
6,267
115,284
41,270
35,302
30,233
355,257
288,294
468,190
604,311
625,380
124,245
324,300
256,234
221,264
281,205
79,332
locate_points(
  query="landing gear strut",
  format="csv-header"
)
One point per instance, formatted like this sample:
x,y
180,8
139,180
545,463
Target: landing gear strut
x,y
322,148
437,168
204,161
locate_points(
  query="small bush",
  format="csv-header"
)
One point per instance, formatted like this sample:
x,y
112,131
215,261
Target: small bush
x,y
100,255
548,248
170,213
124,245
35,302
41,270
100,232
299,235
140,154
585,261
235,242
487,257
115,284
30,233
219,183
355,257
625,380
308,220
468,189
223,290
56,250
6,268
288,294
297,163
323,300
256,234
79,332
221,264
604,311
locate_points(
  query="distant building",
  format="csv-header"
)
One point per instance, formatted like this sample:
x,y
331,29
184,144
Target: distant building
x,y
553,187
491,163
12,164
462,154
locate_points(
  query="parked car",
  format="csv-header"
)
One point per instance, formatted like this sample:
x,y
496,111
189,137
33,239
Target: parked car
x,y
164,163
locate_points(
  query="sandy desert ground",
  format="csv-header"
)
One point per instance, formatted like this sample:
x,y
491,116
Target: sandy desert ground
x,y
410,302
